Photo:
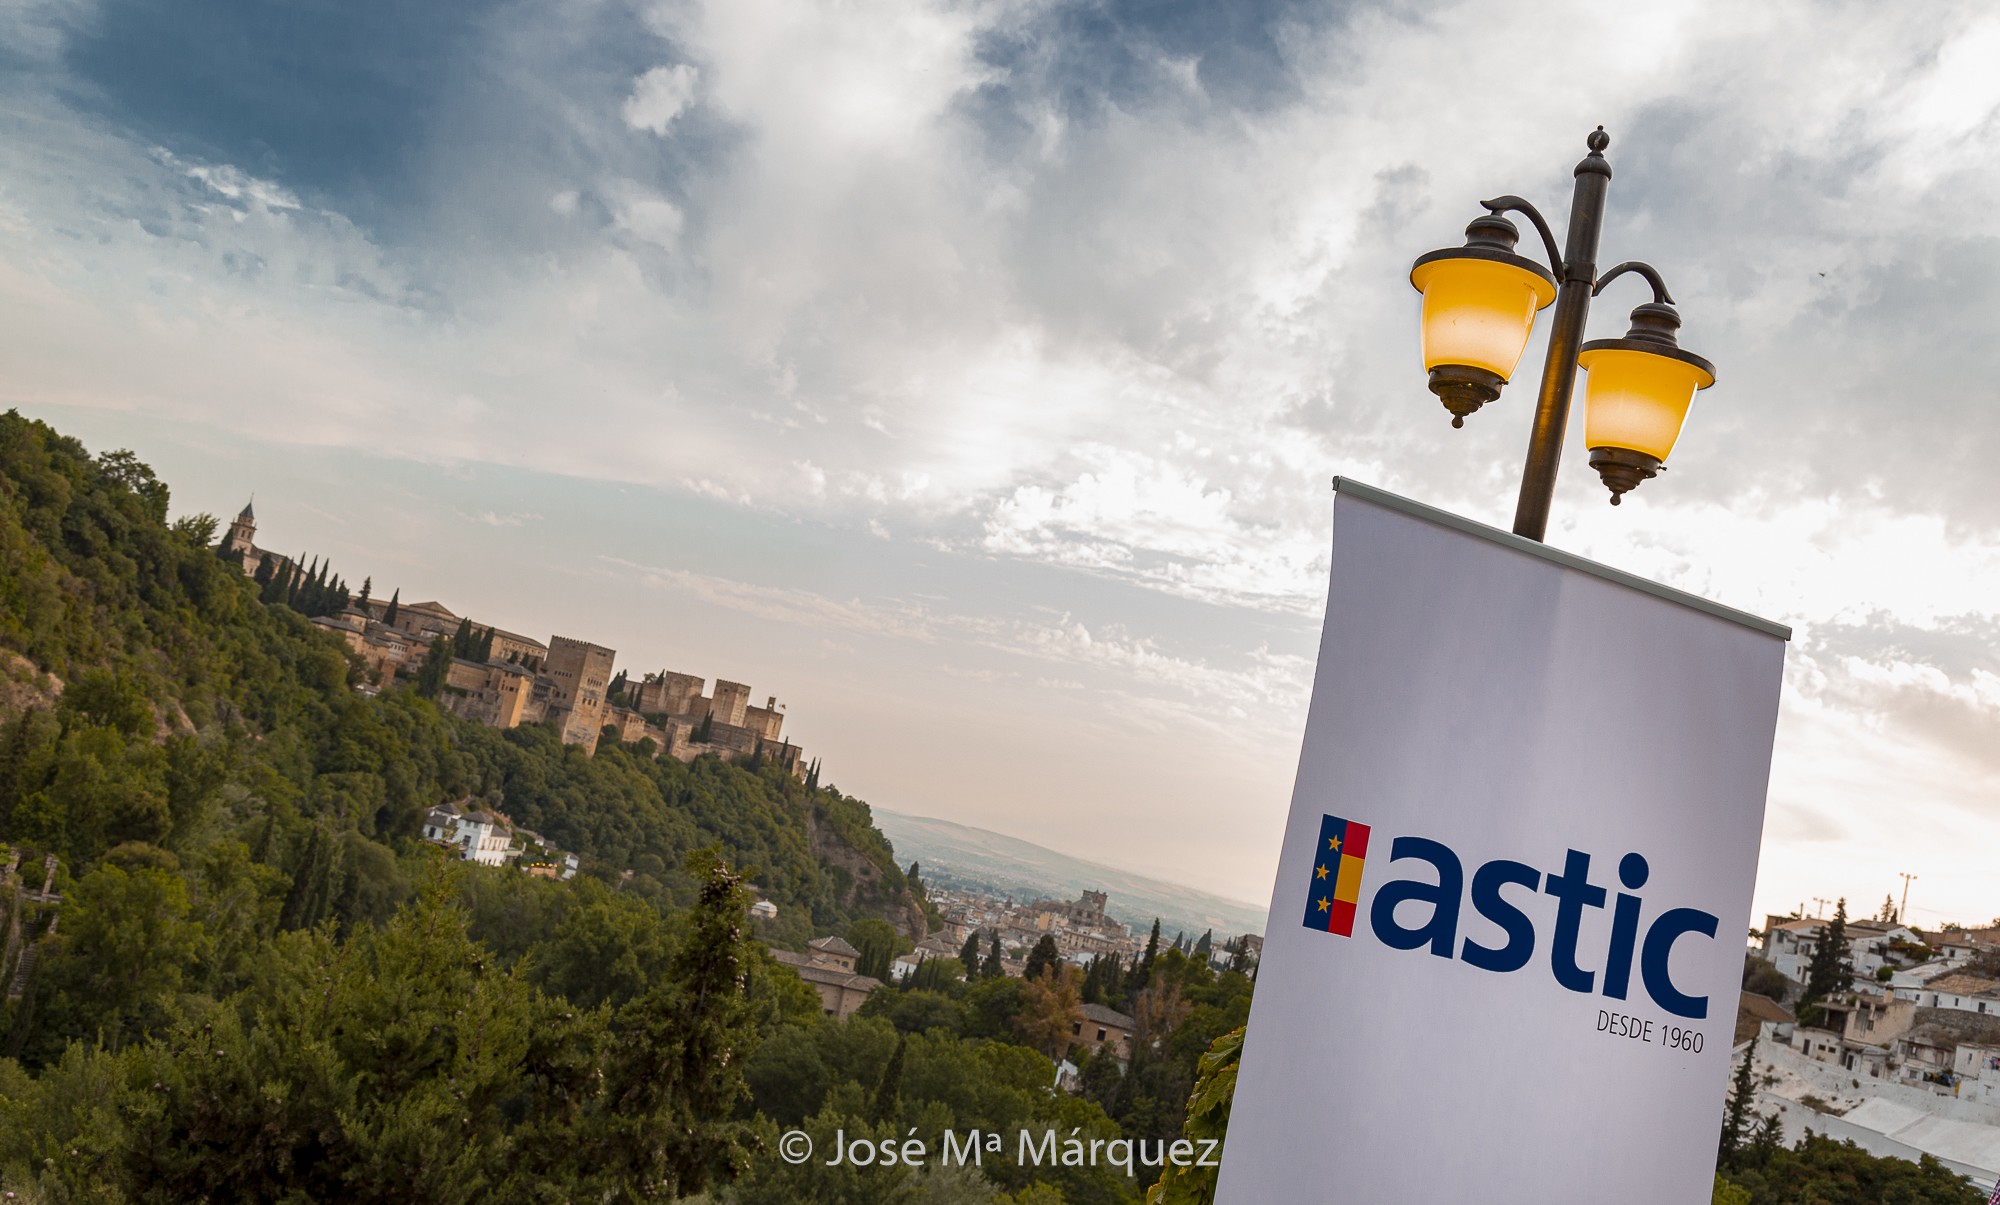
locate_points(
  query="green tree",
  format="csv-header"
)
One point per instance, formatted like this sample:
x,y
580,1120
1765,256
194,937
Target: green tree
x,y
1207,1118
390,614
1043,957
1829,972
993,967
876,944
967,953
125,951
889,1088
676,1077
1737,1126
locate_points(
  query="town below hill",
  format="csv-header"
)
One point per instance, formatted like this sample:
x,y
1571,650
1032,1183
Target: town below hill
x,y
993,864
1878,1033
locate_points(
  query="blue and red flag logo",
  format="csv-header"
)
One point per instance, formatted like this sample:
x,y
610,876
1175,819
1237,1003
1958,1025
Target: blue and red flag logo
x,y
1336,875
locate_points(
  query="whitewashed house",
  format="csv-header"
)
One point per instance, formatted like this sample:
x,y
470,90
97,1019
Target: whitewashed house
x,y
479,836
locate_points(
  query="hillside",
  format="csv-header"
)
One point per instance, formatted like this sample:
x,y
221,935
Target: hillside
x,y
233,970
154,700
957,855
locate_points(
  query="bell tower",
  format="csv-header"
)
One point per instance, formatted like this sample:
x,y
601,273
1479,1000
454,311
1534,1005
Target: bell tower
x,y
242,536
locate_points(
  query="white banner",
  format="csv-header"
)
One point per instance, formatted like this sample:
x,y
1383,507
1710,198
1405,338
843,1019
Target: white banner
x,y
1507,935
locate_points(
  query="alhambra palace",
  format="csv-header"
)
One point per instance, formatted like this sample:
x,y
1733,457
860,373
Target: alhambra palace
x,y
565,683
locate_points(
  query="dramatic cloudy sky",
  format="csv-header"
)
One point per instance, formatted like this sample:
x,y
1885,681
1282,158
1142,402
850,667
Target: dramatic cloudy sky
x,y
969,375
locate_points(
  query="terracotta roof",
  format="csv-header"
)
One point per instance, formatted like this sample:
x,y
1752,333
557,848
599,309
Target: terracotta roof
x,y
827,975
1752,1010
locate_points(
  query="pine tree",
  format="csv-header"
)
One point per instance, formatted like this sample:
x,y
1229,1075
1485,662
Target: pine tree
x,y
969,954
1736,1116
1888,913
889,1089
993,968
395,598
1770,1136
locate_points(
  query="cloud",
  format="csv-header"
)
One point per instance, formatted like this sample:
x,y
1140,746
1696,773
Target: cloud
x,y
659,96
1225,691
1099,290
646,216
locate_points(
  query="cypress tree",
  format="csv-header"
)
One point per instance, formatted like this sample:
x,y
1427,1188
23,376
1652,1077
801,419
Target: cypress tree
x,y
367,587
1736,1116
1204,946
675,1078
389,616
889,1089
969,954
993,968
298,906
1828,973
1239,955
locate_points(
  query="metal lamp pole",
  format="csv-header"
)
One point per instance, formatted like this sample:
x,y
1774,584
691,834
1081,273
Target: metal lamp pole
x,y
1577,270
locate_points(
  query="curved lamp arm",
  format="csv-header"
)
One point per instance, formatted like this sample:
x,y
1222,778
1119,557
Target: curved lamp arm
x,y
1522,205
1637,268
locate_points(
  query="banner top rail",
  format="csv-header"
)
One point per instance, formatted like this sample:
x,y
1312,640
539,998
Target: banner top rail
x,y
1443,518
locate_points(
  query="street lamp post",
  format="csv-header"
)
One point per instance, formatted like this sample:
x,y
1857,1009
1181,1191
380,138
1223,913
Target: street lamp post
x,y
1480,302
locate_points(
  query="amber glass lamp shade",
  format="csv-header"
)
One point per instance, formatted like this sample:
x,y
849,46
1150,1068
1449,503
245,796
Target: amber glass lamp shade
x,y
1635,400
1479,312
1480,302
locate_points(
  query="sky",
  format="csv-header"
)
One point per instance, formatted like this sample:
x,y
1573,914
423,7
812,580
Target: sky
x,y
970,375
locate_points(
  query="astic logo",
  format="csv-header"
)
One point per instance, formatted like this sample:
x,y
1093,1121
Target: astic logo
x,y
1335,891
1423,913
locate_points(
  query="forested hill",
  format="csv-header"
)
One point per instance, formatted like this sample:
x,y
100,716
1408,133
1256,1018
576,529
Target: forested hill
x,y
156,710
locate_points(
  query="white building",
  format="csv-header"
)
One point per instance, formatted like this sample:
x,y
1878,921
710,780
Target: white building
x,y
1871,945
479,836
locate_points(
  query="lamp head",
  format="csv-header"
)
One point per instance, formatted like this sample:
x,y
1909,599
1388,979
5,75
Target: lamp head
x,y
1480,302
1638,392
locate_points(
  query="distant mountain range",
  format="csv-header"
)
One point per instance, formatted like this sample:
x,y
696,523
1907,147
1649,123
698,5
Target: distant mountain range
x,y
958,855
